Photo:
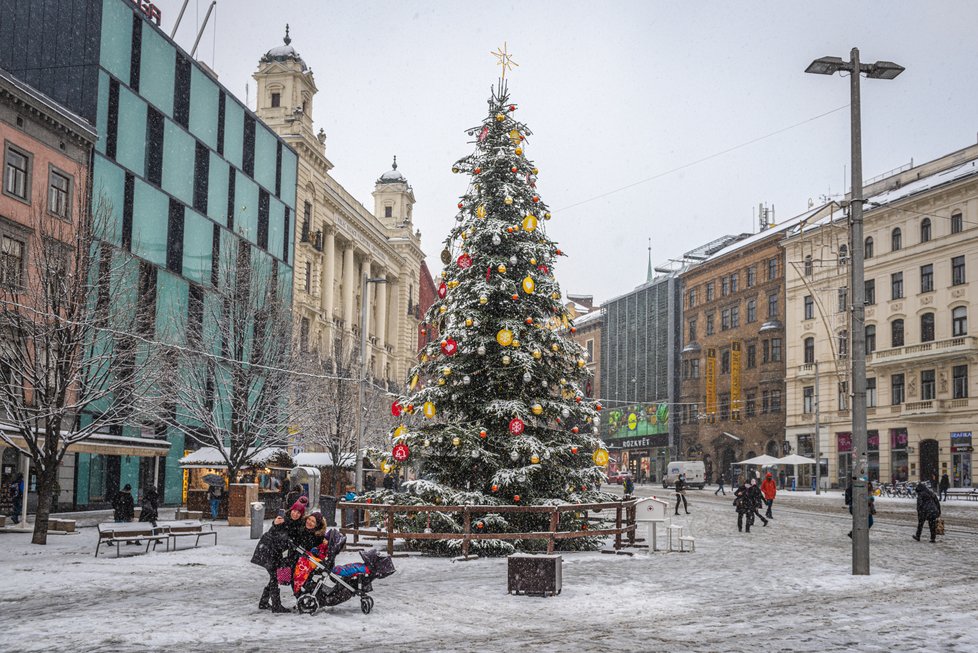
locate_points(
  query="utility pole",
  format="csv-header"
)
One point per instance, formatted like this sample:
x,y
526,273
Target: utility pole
x,y
818,439
360,422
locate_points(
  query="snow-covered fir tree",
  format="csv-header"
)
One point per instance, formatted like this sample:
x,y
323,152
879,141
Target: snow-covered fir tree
x,y
496,412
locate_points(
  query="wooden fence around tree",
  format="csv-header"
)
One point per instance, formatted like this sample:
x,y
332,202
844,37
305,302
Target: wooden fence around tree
x,y
624,520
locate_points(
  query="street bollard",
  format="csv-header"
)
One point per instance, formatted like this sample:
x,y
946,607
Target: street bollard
x,y
257,519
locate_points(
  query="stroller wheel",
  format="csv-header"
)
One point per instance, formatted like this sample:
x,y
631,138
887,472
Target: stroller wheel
x,y
307,604
366,604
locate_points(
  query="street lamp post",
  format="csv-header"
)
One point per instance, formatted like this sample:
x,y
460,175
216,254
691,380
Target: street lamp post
x,y
860,499
361,423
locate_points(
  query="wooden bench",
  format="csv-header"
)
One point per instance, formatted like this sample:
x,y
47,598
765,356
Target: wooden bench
x,y
62,525
176,530
126,533
189,515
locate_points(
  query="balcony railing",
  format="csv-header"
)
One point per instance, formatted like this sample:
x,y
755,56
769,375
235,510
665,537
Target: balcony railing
x,y
936,350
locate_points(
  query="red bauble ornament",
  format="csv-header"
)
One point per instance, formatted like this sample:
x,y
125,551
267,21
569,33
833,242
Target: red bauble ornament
x,y
515,297
575,430
449,347
370,500
483,434
482,137
442,290
459,205
465,261
536,198
410,408
400,452
559,253
577,399
574,450
573,329
477,170
513,169
529,320
516,498
598,406
480,525
512,107
516,426
543,268
396,409
583,488
495,488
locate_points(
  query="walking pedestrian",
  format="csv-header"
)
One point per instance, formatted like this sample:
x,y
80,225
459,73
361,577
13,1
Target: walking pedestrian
x,y
681,493
149,508
742,504
17,496
629,486
720,485
944,486
782,479
756,499
123,506
769,490
928,510
214,494
870,508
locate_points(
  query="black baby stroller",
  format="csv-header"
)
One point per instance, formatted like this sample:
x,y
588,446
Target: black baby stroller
x,y
317,583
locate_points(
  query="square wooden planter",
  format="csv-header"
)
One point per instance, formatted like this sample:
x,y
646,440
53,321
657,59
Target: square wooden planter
x,y
537,575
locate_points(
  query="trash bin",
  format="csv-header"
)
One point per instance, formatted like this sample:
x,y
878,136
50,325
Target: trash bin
x,y
327,506
257,519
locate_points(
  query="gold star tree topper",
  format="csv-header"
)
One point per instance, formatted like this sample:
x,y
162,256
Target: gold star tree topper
x,y
504,59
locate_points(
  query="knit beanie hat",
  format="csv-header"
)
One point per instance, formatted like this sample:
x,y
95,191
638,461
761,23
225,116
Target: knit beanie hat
x,y
300,505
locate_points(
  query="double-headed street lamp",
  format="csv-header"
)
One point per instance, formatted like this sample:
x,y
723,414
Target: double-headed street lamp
x,y
860,499
361,423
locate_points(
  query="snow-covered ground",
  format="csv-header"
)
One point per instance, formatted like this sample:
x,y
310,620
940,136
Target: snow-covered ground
x,y
786,587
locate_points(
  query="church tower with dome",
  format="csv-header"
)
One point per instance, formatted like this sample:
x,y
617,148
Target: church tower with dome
x,y
339,242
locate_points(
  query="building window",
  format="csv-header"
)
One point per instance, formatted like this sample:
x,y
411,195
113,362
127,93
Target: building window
x,y
809,350
733,283
692,297
959,321
16,177
926,278
388,211
306,220
896,389
927,389
809,307
871,393
263,210
868,247
843,397
774,405
751,276
843,254
959,376
709,291
957,271
725,319
870,291
694,368
12,262
809,266
734,317
896,333
751,356
772,269
221,113
751,310
709,324
843,343
692,330
772,306
925,230
724,401
896,285
589,346
751,403
870,338
59,192
843,299
725,361
276,100
957,222
808,399
308,285
896,239
927,327
775,350
724,286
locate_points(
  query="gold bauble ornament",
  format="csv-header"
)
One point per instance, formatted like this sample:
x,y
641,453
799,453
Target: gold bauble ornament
x,y
536,171
456,441
529,285
447,371
546,216
537,354
533,261
580,362
507,200
483,299
506,359
555,347
468,321
600,457
530,222
414,382
501,269
504,337
535,459
500,117
519,151
452,284
456,170
480,211
563,382
441,381
516,344
399,431
514,136
428,409
444,274
442,309
555,296
536,409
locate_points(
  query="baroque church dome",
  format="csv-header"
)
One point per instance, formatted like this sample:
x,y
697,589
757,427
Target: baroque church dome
x,y
284,52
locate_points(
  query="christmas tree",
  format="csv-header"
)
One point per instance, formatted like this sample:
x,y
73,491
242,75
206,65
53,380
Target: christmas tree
x,y
496,412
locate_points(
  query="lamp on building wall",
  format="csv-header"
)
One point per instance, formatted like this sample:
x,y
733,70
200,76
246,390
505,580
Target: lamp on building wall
x,y
860,504
361,423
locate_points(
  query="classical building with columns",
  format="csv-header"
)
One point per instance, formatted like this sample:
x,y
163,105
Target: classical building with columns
x,y
339,242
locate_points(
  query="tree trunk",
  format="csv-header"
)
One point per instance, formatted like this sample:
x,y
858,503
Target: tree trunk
x,y
46,476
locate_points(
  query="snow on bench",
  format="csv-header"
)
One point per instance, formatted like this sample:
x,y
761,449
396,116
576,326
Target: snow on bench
x,y
114,533
187,528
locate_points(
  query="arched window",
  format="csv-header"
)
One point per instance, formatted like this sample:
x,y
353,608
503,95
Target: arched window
x,y
809,268
870,338
959,321
927,327
925,230
868,248
843,343
843,254
896,333
809,350
896,239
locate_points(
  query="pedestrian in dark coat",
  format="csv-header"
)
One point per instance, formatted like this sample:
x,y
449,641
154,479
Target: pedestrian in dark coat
x,y
756,499
629,486
782,478
274,551
720,485
742,504
944,486
928,510
149,508
681,493
388,482
123,506
17,497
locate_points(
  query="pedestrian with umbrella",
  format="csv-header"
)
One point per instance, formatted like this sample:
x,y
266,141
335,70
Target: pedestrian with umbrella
x,y
215,491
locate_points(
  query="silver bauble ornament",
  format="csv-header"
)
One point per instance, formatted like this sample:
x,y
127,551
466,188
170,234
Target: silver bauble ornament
x,y
513,259
481,350
466,379
496,240
526,377
514,456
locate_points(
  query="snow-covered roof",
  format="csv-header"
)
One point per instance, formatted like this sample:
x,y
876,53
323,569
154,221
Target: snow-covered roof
x,y
786,226
323,459
211,456
285,52
587,318
393,176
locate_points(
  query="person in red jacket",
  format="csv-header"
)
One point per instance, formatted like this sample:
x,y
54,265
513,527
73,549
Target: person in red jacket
x,y
769,488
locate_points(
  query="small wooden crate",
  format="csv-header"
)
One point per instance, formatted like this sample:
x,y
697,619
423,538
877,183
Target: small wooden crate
x,y
538,575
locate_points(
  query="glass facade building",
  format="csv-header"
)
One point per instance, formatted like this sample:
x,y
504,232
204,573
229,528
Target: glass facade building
x,y
184,168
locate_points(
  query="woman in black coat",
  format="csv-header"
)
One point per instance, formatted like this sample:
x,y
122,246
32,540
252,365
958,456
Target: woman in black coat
x,y
928,510
742,504
274,550
123,506
149,509
756,499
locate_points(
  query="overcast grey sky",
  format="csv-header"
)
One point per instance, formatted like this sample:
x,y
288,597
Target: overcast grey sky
x,y
615,93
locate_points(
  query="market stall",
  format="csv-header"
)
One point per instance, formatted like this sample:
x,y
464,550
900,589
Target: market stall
x,y
206,467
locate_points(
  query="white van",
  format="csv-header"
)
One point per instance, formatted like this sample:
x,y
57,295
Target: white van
x,y
694,470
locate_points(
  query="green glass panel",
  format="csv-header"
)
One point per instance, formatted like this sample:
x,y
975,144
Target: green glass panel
x,y
217,190
276,230
102,110
203,107
115,52
171,307
131,141
108,196
289,163
233,131
246,207
150,219
265,154
173,489
157,70
82,470
179,150
198,235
